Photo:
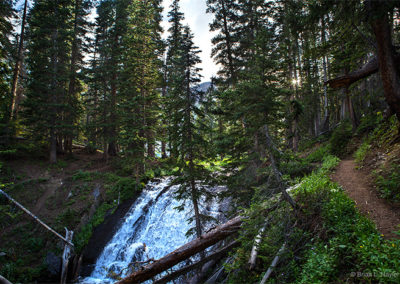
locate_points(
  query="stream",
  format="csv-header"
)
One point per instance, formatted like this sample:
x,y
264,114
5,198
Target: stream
x,y
151,229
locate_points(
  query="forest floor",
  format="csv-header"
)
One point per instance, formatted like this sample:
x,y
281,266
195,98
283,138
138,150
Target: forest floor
x,y
359,186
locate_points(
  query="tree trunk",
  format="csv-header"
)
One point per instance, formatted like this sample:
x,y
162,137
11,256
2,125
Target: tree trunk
x,y
219,233
388,67
214,256
232,76
72,76
54,96
325,123
17,68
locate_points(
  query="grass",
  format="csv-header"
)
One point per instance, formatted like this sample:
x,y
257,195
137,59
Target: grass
x,y
353,243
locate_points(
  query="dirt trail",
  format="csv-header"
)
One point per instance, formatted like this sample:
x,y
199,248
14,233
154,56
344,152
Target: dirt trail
x,y
358,186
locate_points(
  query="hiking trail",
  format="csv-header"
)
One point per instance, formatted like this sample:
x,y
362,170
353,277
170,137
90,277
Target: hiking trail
x,y
359,187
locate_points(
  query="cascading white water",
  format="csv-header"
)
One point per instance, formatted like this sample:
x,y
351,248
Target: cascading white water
x,y
151,229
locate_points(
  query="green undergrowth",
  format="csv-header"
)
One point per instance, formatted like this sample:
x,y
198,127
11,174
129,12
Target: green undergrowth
x,y
328,240
117,190
380,147
347,246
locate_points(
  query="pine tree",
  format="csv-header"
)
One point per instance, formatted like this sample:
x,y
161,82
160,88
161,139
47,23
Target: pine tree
x,y
225,21
18,65
140,80
6,14
49,48
183,101
111,26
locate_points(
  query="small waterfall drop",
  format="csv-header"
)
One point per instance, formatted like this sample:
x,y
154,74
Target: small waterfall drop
x,y
151,229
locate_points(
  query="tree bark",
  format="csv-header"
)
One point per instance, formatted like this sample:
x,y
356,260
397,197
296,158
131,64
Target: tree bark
x,y
17,69
390,74
346,80
219,233
72,75
325,123
54,96
215,256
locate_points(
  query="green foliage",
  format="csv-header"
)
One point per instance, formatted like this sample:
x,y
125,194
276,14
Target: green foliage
x,y
320,266
389,183
362,152
329,163
368,124
82,175
295,167
68,218
340,138
318,155
81,239
353,243
35,244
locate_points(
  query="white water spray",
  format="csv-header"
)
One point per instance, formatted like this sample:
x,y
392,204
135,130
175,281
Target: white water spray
x,y
151,229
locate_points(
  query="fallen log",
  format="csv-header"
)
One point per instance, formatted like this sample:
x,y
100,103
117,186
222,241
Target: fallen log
x,y
35,218
217,255
346,80
4,280
189,249
368,69
254,250
197,245
273,264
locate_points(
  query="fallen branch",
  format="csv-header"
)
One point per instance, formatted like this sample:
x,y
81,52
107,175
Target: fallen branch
x,y
273,264
35,218
277,173
197,245
368,69
4,280
189,249
213,279
254,250
220,253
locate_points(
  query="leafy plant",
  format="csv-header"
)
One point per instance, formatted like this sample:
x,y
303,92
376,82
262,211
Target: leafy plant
x,y
362,152
340,138
389,184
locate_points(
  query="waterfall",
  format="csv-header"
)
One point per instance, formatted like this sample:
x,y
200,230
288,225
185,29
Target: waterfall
x,y
151,229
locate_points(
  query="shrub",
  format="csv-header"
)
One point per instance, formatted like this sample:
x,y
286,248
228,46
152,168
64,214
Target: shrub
x,y
340,138
362,152
389,186
367,124
318,155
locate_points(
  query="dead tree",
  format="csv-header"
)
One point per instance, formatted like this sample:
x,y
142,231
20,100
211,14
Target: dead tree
x,y
184,252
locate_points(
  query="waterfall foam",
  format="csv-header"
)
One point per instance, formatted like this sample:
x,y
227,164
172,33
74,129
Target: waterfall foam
x,y
151,229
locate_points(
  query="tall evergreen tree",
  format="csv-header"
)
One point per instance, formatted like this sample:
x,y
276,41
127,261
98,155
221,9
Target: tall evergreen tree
x,y
225,22
49,48
6,14
183,108
140,80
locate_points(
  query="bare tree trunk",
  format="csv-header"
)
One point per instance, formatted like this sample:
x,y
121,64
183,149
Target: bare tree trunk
x,y
72,75
273,264
54,99
325,123
66,255
219,233
214,256
17,68
34,217
388,67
